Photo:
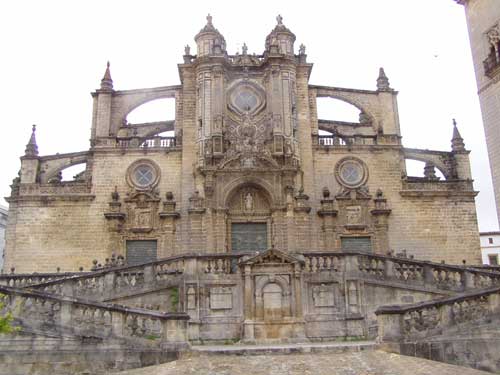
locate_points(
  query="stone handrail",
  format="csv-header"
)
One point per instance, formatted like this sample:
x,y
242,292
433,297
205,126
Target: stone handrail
x,y
106,282
426,319
402,270
21,280
61,314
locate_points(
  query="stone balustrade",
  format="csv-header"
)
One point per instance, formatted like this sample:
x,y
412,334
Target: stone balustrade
x,y
153,142
18,280
35,310
106,283
398,324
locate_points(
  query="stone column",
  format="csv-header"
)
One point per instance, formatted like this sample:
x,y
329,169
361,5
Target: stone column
x,y
248,333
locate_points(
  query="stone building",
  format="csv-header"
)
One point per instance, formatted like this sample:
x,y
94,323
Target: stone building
x,y
490,247
256,222
483,21
3,224
250,167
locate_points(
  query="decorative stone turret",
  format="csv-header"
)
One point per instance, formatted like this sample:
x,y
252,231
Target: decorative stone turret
x,y
106,81
280,40
29,162
383,81
31,148
101,127
209,40
457,142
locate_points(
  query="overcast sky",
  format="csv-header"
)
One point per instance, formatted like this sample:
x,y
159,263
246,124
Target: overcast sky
x,y
54,54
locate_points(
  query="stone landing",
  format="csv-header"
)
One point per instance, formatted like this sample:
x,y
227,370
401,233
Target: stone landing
x,y
318,359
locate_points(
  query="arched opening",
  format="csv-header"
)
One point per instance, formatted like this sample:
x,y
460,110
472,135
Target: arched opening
x,y
331,109
249,212
154,111
74,173
421,169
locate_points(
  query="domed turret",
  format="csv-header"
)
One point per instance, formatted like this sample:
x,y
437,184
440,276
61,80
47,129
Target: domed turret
x,y
280,40
209,40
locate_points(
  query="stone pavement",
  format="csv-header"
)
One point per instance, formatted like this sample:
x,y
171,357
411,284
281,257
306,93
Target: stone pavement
x,y
364,362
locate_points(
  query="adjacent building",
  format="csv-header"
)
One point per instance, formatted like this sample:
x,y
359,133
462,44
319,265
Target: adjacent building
x,y
490,248
246,170
483,21
3,224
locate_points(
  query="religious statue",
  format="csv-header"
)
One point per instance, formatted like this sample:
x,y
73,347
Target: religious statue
x,y
248,202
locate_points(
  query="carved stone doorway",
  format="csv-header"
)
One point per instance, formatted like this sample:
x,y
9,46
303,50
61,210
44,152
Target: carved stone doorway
x,y
249,219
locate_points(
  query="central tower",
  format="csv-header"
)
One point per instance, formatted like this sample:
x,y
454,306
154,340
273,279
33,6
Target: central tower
x,y
247,159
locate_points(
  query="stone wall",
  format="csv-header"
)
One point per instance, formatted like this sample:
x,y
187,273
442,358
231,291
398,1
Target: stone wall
x,y
482,16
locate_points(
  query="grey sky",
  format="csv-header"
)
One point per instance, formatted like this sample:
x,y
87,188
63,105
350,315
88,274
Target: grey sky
x,y
54,54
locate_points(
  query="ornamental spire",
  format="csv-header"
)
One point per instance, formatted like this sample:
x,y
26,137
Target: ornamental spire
x,y
106,81
457,142
32,148
382,81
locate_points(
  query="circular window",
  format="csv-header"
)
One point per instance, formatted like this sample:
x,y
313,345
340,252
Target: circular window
x,y
351,172
143,174
246,100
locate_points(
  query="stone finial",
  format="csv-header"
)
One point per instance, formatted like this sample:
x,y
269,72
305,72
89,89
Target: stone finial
x,y
209,19
32,148
326,193
244,49
430,171
302,49
279,20
187,50
382,81
457,142
106,81
115,196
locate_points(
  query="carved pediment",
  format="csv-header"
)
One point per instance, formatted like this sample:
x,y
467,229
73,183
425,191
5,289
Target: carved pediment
x,y
272,256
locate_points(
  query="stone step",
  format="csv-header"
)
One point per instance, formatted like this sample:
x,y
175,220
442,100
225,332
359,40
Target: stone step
x,y
365,362
276,349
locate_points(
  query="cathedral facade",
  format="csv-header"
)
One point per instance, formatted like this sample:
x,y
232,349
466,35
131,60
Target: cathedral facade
x,y
249,167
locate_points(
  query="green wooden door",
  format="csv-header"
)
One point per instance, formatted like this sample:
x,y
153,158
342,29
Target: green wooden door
x,y
248,237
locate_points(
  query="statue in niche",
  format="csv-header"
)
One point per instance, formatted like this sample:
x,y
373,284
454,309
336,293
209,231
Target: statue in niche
x,y
248,202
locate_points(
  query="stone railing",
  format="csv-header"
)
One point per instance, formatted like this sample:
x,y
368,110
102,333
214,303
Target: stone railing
x,y
153,142
337,140
317,262
20,280
34,310
106,283
401,270
426,319
413,186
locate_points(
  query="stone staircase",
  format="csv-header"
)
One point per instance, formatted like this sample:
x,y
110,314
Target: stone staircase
x,y
117,308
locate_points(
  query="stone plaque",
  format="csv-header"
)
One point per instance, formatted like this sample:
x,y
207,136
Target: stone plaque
x,y
323,295
221,298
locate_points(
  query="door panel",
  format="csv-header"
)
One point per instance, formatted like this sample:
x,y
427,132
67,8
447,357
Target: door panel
x,y
141,251
248,237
